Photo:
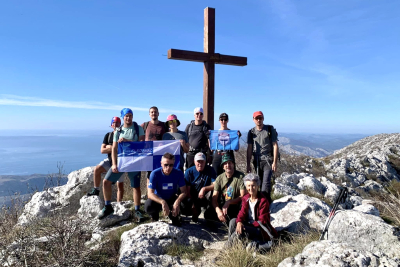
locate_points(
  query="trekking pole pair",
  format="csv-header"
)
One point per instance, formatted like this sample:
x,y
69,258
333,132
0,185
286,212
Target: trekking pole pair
x,y
340,199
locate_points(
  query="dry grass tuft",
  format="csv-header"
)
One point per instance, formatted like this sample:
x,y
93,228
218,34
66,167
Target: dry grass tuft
x,y
287,246
185,252
388,203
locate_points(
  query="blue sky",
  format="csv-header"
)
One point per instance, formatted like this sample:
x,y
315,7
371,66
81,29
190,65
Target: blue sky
x,y
313,66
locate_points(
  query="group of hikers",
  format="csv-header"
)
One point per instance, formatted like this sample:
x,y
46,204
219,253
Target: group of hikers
x,y
223,192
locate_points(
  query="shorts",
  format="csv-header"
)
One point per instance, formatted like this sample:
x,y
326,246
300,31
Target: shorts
x,y
107,165
134,177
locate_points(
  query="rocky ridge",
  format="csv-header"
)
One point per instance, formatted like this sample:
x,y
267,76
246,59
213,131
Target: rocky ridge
x,y
293,211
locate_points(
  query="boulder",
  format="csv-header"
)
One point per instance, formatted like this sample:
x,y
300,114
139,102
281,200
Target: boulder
x,y
298,213
90,206
365,232
284,190
336,254
122,211
144,245
312,184
356,200
367,209
371,186
63,199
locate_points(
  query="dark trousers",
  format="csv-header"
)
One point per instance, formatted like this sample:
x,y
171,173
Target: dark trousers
x,y
265,173
249,231
192,206
153,208
211,215
189,160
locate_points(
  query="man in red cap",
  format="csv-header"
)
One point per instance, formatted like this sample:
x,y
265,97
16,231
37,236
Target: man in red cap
x,y
262,145
106,164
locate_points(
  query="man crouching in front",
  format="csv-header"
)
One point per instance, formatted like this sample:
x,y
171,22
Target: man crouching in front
x,y
162,191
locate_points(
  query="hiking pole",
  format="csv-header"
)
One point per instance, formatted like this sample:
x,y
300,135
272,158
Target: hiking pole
x,y
340,199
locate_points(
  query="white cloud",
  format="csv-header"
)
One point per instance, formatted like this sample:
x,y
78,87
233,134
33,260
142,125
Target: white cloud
x,y
14,100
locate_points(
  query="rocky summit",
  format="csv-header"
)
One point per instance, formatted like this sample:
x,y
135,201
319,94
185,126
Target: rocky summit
x,y
356,236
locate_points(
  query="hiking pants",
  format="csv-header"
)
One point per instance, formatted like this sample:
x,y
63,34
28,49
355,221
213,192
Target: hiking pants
x,y
153,208
211,215
265,174
249,231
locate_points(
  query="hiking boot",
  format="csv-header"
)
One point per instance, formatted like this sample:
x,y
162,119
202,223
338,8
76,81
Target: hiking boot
x,y
138,216
93,192
107,210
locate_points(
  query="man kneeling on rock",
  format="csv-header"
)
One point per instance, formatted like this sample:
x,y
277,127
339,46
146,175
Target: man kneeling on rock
x,y
162,191
200,183
228,192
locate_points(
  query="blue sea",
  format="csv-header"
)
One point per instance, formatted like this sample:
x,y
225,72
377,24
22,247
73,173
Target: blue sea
x,y
39,152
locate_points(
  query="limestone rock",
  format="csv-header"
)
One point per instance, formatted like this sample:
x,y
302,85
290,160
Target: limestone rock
x,y
371,186
356,200
367,209
312,184
365,232
285,190
297,213
122,211
90,206
145,245
335,254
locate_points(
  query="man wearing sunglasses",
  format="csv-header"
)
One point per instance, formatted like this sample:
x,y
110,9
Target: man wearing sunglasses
x,y
197,131
162,191
262,145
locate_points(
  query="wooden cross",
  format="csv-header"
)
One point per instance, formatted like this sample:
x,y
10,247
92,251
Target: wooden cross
x,y
209,58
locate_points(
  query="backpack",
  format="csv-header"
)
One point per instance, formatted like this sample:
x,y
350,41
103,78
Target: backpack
x,y
135,125
204,129
269,131
110,137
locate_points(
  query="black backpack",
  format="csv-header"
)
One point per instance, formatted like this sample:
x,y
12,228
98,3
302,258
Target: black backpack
x,y
204,129
269,131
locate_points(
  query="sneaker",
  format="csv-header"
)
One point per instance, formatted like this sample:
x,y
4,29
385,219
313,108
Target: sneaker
x,y
93,192
138,215
107,210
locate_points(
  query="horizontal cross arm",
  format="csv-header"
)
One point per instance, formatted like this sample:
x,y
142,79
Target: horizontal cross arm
x,y
203,57
187,55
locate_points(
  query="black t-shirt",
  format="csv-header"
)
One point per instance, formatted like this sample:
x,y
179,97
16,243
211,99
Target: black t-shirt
x,y
108,140
198,137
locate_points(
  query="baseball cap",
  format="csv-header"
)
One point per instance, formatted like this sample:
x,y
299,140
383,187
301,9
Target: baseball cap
x,y
258,113
198,109
115,119
172,117
199,156
126,111
224,115
227,157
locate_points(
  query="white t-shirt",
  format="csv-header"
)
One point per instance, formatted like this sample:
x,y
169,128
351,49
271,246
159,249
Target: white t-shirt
x,y
252,215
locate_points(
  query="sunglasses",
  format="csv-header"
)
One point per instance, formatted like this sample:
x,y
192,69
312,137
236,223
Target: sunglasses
x,y
223,119
259,118
199,114
169,165
172,121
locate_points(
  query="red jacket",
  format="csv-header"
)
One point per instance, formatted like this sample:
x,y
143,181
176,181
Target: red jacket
x,y
261,211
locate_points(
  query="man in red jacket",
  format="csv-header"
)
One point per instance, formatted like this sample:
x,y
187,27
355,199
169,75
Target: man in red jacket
x,y
254,211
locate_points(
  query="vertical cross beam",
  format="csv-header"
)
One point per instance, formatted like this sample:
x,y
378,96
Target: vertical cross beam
x,y
209,66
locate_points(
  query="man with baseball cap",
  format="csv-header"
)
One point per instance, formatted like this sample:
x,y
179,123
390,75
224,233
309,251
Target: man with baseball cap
x,y
175,134
129,132
105,165
228,192
197,131
199,181
262,145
